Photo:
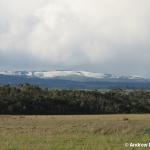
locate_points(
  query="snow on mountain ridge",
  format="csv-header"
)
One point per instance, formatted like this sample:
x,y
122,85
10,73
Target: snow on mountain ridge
x,y
54,74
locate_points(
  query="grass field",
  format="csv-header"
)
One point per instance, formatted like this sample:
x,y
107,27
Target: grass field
x,y
97,132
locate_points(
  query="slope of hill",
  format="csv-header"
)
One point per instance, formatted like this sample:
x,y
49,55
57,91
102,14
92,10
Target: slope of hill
x,y
72,79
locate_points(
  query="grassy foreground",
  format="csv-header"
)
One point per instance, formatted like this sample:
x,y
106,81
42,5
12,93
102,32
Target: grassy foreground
x,y
95,132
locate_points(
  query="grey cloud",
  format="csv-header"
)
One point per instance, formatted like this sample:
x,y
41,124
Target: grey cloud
x,y
109,36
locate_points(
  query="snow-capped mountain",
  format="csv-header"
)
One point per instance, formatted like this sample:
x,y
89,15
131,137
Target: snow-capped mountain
x,y
72,79
53,74
65,74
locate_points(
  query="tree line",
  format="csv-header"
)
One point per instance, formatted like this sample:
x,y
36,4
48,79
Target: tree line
x,y
28,99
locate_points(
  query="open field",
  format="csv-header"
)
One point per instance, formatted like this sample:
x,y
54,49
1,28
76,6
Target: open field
x,y
95,132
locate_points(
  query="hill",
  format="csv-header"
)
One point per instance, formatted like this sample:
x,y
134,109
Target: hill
x,y
73,80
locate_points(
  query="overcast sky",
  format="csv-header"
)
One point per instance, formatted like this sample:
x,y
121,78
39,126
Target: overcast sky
x,y
107,36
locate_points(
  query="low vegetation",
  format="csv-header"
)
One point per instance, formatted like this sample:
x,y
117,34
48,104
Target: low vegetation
x,y
28,99
88,132
72,132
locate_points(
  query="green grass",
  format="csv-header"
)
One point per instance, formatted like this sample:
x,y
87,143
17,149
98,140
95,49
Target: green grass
x,y
97,132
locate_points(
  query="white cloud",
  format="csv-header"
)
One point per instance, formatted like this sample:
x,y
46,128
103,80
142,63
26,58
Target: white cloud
x,y
102,35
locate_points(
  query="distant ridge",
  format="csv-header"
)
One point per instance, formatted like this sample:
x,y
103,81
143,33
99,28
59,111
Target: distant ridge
x,y
67,73
73,79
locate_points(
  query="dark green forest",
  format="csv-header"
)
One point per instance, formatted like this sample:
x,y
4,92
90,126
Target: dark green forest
x,y
28,99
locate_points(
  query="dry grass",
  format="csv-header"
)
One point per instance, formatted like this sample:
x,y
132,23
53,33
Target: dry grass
x,y
83,132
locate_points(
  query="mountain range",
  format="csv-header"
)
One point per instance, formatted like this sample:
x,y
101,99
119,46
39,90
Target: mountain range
x,y
73,79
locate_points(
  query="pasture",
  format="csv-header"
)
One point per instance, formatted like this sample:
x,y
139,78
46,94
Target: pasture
x,y
80,132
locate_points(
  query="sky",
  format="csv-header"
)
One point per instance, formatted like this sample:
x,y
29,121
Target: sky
x,y
107,36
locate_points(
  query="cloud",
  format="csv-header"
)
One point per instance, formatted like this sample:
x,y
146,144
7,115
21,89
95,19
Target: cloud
x,y
97,35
